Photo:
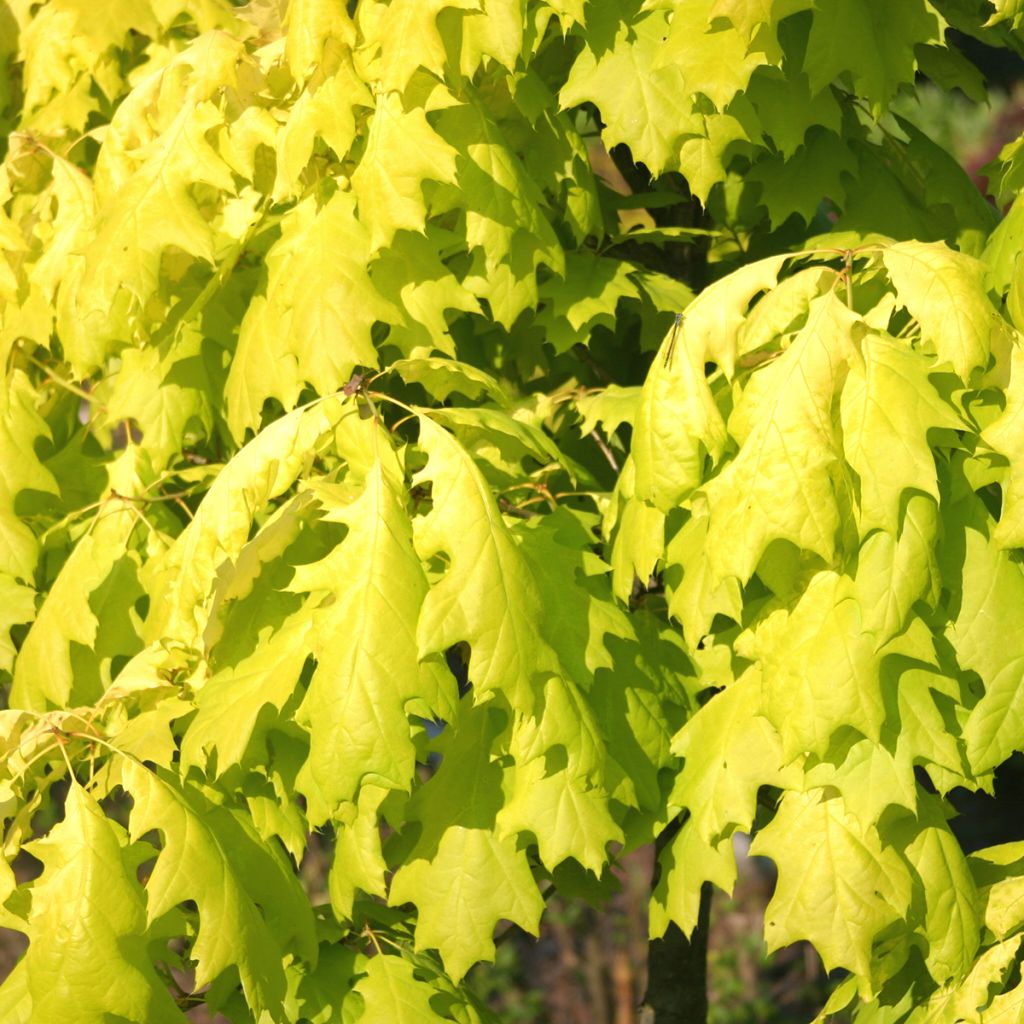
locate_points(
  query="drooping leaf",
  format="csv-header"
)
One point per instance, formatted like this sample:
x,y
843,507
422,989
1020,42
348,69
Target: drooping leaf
x,y
730,750
368,676
393,994
264,469
488,597
250,904
644,106
838,887
678,425
1003,435
945,292
85,620
460,874
314,324
231,701
402,151
20,427
686,864
888,405
988,640
952,921
88,909
859,39
787,481
153,211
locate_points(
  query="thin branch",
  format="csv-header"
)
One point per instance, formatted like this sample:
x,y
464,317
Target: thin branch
x,y
61,382
173,496
32,760
605,450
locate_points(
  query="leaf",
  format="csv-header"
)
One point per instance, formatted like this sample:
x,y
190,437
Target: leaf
x,y
72,230
989,639
314,324
461,875
799,184
181,585
952,922
923,736
887,407
870,41
715,60
787,107
996,870
1006,1003
866,775
368,675
19,606
1003,247
458,908
249,596
787,481
496,32
947,185
484,429
610,408
588,297
1006,10
250,905
88,910
410,36
990,969
402,151
232,700
488,597
310,25
639,543
85,620
1003,436
820,668
748,16
15,999
645,106
166,393
393,995
104,295
564,805
730,750
951,70
839,887
441,377
714,321
506,223
328,106
945,292
707,150
894,573
616,742
780,310
358,860
20,427
700,596
410,275
678,426
685,865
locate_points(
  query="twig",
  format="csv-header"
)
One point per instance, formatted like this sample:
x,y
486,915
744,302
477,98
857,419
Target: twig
x,y
67,385
605,450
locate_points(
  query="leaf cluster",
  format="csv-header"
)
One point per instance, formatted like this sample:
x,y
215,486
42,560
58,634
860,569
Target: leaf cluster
x,y
350,511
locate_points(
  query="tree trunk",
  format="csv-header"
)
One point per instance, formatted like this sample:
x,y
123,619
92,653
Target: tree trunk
x,y
677,967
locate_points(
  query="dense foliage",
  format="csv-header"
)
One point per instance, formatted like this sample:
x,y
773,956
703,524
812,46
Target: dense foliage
x,y
347,497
